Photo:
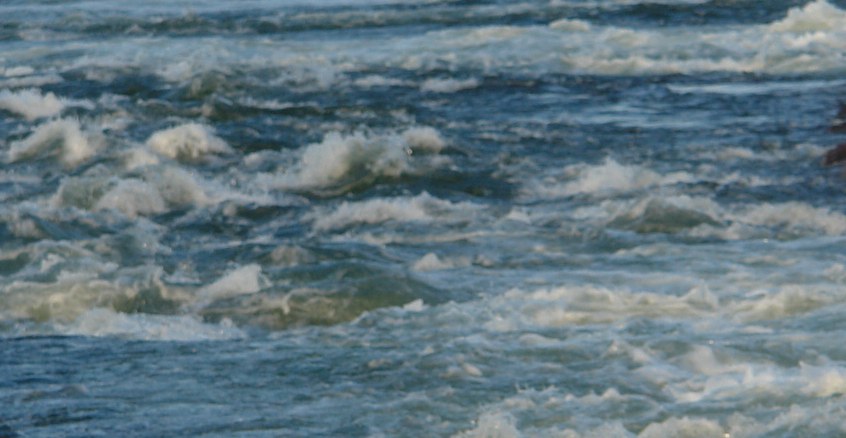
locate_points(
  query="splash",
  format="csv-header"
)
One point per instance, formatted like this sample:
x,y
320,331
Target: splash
x,y
102,322
63,138
608,178
817,16
241,281
431,262
493,425
132,197
190,142
421,208
343,162
438,85
31,103
159,189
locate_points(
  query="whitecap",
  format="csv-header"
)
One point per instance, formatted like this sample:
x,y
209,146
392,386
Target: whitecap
x,y
341,161
609,177
797,216
493,425
31,103
372,81
683,427
63,137
570,25
448,85
431,262
177,186
188,142
815,16
339,157
578,305
243,280
140,157
132,197
101,322
421,208
20,70
424,139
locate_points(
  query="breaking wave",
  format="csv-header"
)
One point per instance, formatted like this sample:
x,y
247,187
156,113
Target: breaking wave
x,y
344,162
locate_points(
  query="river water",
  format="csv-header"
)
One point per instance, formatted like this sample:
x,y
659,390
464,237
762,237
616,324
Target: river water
x,y
389,218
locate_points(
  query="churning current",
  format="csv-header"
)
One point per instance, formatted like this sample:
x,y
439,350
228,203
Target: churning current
x,y
385,218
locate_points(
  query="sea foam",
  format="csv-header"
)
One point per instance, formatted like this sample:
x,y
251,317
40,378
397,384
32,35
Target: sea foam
x,y
132,197
608,178
103,322
431,262
241,281
421,208
159,189
31,103
347,160
815,16
448,85
63,137
189,142
177,186
338,157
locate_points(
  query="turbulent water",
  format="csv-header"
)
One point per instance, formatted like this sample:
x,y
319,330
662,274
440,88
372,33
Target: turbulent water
x,y
388,218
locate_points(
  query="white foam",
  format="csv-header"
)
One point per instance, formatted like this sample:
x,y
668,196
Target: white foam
x,y
818,418
338,156
577,305
31,103
345,159
420,208
448,85
81,192
102,322
756,88
160,189
800,42
273,104
779,303
431,262
63,300
132,197
25,228
178,187
424,138
783,220
822,381
545,412
372,81
683,427
654,214
188,142
694,216
140,157
415,306
63,137
795,216
20,70
815,16
701,375
570,25
241,281
652,297
493,425
610,177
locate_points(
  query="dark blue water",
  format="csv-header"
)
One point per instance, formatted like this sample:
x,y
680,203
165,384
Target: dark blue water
x,y
444,218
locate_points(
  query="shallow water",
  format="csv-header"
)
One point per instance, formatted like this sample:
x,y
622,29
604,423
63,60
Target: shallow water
x,y
444,218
